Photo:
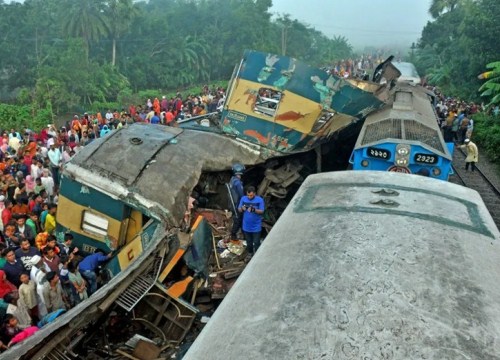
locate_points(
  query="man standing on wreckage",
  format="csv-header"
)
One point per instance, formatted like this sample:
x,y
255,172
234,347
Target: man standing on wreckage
x,y
235,190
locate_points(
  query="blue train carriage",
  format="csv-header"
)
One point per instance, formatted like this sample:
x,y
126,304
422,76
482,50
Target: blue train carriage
x,y
367,265
404,137
288,106
128,193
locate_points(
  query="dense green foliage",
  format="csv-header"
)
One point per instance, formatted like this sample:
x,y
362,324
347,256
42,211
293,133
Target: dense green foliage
x,y
491,88
458,43
487,134
72,55
24,116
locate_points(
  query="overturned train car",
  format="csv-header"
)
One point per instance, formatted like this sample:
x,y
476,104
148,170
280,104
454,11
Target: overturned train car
x,y
404,136
367,265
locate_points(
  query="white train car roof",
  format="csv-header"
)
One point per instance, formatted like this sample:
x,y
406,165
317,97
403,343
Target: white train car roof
x,y
410,117
367,265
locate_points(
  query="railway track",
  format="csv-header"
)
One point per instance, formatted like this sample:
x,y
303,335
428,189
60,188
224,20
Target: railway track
x,y
478,181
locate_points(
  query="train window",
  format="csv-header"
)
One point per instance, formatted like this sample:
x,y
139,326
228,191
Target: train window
x,y
267,101
323,119
95,224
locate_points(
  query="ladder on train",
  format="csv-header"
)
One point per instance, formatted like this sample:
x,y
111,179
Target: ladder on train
x,y
141,285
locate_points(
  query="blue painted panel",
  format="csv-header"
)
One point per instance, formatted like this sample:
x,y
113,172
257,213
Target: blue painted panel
x,y
378,164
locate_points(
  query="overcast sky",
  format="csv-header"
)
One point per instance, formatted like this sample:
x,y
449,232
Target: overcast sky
x,y
362,22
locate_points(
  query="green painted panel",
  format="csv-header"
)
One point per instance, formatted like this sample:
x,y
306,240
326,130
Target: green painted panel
x,y
94,199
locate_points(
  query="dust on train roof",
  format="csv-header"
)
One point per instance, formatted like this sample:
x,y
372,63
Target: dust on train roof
x,y
155,166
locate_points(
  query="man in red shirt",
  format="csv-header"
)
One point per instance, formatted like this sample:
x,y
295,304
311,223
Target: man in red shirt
x,y
169,117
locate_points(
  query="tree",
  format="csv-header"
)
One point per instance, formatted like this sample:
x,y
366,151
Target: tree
x,y
439,6
491,88
120,14
85,19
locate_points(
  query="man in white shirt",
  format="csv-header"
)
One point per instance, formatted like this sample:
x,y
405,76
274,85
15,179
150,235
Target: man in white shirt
x,y
109,116
52,132
48,183
55,158
36,169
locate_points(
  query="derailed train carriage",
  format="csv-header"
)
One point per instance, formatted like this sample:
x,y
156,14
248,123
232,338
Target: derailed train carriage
x,y
128,193
286,106
367,265
404,136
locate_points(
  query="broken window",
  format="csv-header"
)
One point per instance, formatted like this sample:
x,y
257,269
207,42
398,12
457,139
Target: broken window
x,y
323,119
94,223
267,101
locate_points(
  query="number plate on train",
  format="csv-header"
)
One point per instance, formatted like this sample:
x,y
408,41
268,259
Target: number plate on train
x,y
425,158
378,153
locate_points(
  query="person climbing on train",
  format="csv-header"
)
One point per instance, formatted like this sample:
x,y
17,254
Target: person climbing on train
x,y
235,188
251,207
472,154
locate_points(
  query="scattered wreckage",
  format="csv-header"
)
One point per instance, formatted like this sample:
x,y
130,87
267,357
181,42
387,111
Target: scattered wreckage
x,y
132,193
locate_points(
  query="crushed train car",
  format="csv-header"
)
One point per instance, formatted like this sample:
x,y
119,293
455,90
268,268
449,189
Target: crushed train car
x,y
129,193
286,106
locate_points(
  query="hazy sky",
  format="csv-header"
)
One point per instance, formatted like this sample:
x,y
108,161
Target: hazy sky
x,y
362,22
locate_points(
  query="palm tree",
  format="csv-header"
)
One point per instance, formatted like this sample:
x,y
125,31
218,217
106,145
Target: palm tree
x,y
85,19
191,54
492,86
120,14
439,6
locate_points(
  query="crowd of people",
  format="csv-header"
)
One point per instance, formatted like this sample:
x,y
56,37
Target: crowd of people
x,y
357,67
456,120
41,273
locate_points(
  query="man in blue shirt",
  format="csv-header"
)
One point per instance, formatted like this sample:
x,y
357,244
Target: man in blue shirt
x,y
89,265
155,119
252,208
